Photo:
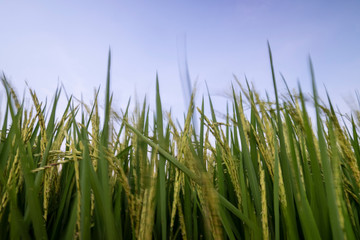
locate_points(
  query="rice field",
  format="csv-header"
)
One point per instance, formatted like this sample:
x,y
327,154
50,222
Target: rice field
x,y
273,173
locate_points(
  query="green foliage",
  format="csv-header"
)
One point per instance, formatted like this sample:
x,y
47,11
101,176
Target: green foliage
x,y
269,176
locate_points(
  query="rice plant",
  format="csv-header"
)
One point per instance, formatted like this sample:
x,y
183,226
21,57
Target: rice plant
x,y
268,174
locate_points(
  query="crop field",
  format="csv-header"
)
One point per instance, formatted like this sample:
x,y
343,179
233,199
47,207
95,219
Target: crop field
x,y
269,173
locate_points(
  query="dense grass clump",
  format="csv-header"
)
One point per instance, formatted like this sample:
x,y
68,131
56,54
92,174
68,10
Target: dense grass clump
x,y
270,175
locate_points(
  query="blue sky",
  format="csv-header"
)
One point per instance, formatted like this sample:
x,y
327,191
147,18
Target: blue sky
x,y
44,43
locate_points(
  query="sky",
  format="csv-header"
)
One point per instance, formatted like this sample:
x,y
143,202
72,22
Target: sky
x,y
46,44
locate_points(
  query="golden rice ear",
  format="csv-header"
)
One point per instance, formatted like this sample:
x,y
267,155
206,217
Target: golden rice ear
x,y
39,114
11,90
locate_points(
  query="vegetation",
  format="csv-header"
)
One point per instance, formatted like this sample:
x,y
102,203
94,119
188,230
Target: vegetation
x,y
270,175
